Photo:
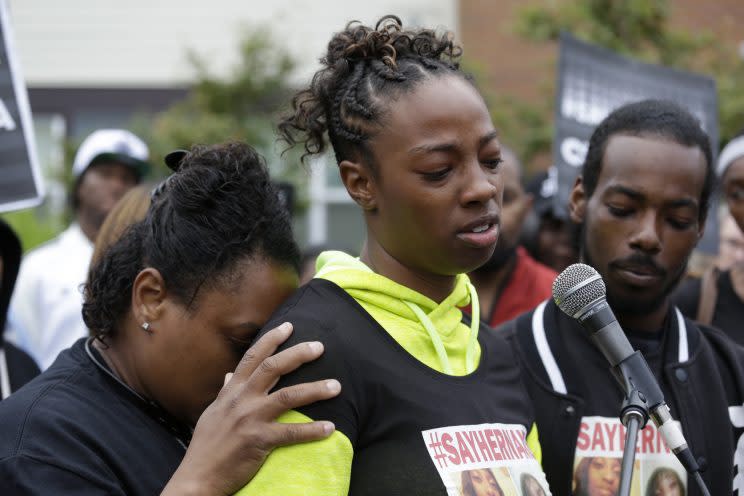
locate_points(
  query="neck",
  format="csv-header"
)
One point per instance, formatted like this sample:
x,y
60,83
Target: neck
x,y
434,286
644,322
489,285
89,227
121,361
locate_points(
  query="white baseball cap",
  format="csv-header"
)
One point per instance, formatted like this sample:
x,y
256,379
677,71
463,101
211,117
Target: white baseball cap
x,y
114,145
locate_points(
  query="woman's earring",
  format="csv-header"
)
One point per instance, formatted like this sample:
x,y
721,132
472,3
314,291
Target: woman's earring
x,y
146,326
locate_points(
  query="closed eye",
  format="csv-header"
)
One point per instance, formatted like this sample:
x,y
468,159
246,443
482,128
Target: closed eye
x,y
619,211
437,175
680,224
493,164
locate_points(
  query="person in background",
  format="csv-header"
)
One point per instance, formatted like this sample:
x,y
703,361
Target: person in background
x,y
641,201
45,313
511,282
731,242
149,403
16,366
548,237
130,209
717,298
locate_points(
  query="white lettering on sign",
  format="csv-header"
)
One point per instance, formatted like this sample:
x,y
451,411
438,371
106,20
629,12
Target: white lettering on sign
x,y
573,151
6,121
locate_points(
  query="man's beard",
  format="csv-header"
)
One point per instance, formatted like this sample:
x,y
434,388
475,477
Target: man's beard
x,y
502,255
639,305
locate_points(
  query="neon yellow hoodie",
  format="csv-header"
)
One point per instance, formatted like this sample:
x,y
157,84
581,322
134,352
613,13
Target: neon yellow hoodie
x,y
326,465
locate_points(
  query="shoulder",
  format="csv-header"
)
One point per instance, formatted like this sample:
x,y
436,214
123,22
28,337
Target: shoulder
x,y
518,327
518,335
55,405
717,351
314,310
21,367
719,341
687,296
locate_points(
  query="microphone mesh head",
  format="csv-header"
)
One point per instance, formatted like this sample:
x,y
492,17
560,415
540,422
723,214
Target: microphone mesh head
x,y
576,287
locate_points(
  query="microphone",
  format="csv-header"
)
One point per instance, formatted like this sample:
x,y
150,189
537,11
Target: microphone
x,y
580,293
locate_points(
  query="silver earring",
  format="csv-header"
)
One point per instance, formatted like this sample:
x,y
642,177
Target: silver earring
x,y
146,326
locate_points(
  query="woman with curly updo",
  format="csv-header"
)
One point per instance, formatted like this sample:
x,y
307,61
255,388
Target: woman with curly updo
x,y
417,151
140,408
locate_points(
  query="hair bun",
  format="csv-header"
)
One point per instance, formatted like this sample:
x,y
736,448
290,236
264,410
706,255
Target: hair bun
x,y
358,42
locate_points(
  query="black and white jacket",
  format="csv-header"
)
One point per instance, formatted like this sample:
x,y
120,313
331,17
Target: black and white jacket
x,y
700,370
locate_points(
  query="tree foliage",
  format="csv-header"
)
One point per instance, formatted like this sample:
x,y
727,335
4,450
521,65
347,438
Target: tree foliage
x,y
243,105
636,28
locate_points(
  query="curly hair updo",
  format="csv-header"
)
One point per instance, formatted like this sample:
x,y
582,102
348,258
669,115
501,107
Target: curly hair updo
x,y
364,70
218,211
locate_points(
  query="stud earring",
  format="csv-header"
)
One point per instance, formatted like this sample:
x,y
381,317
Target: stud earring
x,y
146,326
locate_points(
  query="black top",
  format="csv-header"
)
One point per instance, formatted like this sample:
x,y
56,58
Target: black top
x,y
703,387
412,428
21,367
75,430
728,313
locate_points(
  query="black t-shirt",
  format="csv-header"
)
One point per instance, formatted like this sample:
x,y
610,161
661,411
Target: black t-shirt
x,y
728,313
413,429
75,430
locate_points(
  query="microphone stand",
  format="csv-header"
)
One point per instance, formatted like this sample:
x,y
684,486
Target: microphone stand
x,y
642,391
634,416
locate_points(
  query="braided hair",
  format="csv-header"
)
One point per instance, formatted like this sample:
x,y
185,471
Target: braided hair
x,y
363,70
219,210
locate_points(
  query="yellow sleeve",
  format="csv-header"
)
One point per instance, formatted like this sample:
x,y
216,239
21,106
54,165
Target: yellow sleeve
x,y
308,469
533,442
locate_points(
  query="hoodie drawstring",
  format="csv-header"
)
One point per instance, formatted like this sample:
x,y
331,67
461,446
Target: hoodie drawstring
x,y
436,339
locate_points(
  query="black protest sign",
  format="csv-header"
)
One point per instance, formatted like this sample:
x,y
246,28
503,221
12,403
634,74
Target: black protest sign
x,y
593,81
20,178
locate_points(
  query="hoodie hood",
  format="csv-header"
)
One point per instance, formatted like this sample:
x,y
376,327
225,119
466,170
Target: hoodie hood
x,y
10,253
388,303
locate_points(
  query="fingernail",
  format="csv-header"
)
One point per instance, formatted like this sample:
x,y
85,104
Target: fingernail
x,y
333,386
285,327
328,428
316,346
228,376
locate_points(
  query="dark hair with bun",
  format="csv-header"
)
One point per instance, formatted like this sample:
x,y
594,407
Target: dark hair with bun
x,y
363,70
218,211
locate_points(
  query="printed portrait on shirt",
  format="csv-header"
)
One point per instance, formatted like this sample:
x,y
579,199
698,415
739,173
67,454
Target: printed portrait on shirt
x,y
664,481
485,460
531,486
598,461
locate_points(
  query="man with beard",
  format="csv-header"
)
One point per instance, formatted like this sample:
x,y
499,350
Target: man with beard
x,y
641,199
511,282
45,312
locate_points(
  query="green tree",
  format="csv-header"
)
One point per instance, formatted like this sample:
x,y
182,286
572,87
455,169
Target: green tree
x,y
243,105
637,28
